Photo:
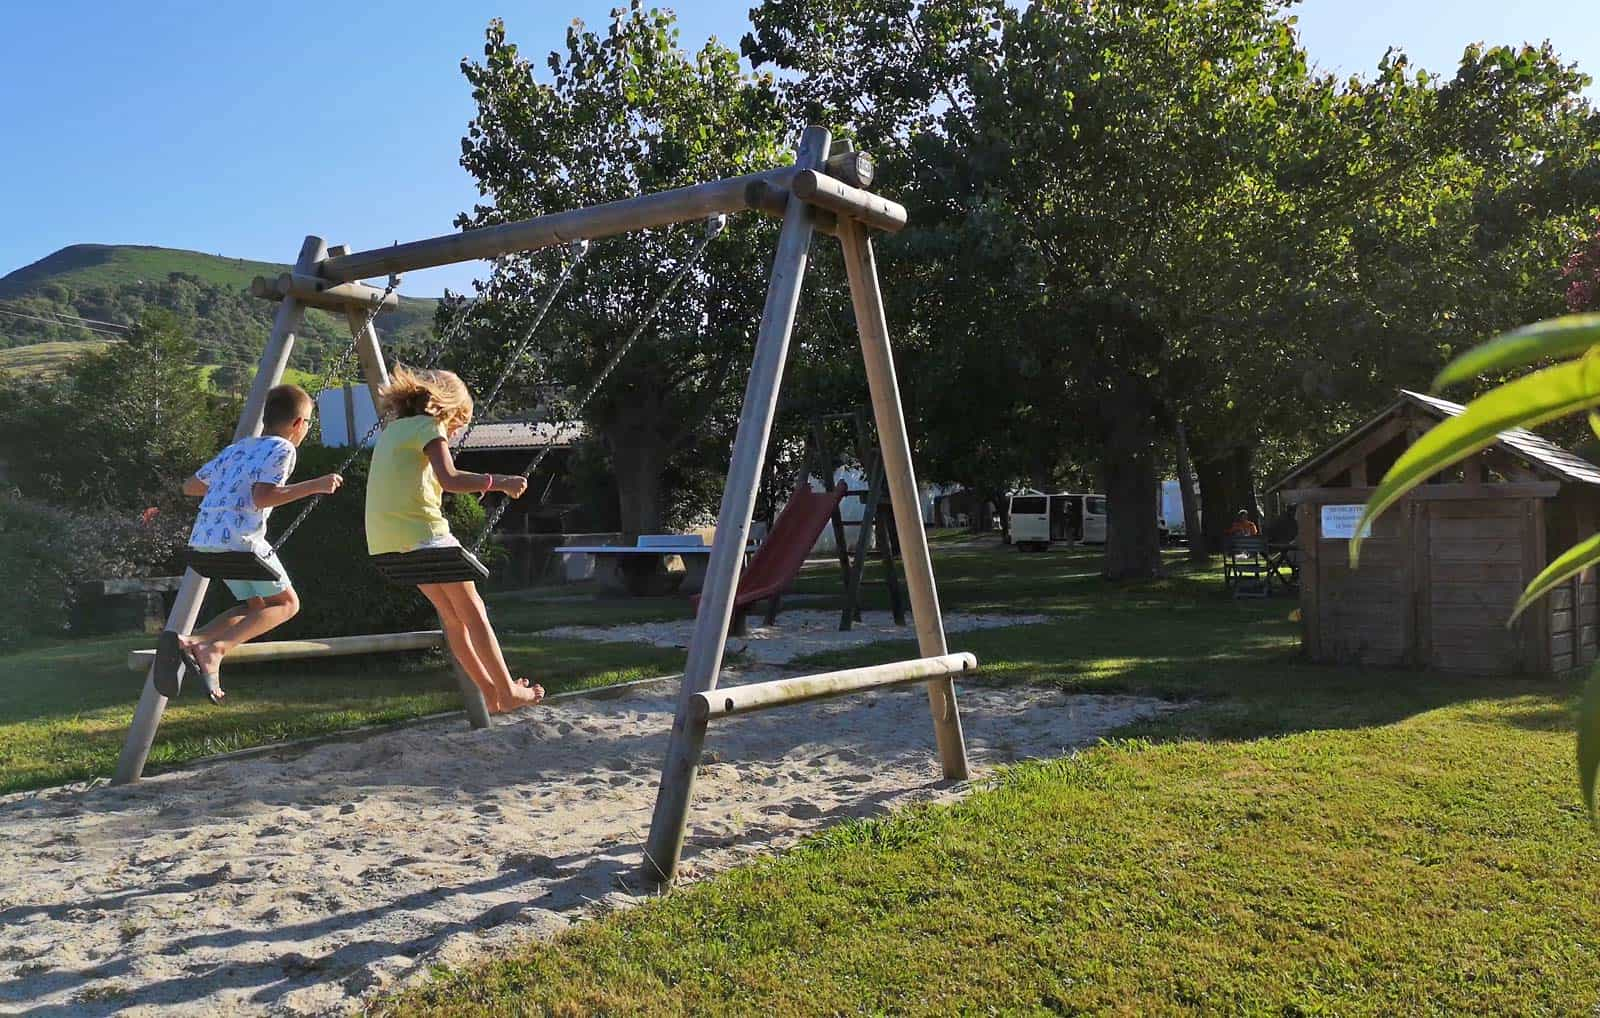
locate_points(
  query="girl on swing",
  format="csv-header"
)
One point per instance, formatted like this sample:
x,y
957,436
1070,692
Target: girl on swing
x,y
411,469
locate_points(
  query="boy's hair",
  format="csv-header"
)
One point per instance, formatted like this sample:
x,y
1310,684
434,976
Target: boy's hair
x,y
285,405
441,395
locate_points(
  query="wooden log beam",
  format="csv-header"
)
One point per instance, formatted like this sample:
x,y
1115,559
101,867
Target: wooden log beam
x,y
297,650
727,701
863,206
664,208
770,200
710,638
854,168
315,291
894,444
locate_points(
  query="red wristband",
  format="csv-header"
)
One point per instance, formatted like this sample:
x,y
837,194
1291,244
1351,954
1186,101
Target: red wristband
x,y
488,483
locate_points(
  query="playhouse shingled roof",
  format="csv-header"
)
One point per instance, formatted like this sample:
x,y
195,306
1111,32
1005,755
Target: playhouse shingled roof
x,y
514,436
1537,452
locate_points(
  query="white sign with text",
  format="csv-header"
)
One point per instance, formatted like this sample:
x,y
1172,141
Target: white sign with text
x,y
1339,522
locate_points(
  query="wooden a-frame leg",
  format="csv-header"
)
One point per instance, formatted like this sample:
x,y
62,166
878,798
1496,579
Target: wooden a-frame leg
x,y
904,498
192,591
668,823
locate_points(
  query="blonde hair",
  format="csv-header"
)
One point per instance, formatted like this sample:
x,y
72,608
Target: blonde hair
x,y
441,395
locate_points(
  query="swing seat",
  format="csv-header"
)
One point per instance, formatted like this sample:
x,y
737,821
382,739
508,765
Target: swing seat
x,y
231,565
430,565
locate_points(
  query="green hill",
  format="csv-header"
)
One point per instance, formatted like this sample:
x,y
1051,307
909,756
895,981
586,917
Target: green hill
x,y
83,266
117,283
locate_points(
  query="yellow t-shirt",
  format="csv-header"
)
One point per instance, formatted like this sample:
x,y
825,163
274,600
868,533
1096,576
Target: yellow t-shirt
x,y
403,495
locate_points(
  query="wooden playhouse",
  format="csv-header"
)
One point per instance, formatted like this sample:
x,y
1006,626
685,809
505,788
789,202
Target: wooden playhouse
x,y
1444,566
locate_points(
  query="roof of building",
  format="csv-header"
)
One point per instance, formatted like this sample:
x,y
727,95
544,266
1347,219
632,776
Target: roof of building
x,y
514,436
1537,452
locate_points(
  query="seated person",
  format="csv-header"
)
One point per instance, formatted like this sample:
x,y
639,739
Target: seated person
x,y
1243,526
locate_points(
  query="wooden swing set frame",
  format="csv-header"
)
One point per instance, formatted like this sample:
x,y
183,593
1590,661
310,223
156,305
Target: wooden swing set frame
x,y
816,193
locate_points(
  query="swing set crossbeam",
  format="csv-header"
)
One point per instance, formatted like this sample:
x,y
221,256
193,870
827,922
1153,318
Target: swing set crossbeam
x,y
650,211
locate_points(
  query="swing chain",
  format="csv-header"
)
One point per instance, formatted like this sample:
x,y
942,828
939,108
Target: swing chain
x,y
342,363
714,226
580,251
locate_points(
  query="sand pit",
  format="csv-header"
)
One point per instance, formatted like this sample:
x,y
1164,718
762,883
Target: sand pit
x,y
797,633
309,879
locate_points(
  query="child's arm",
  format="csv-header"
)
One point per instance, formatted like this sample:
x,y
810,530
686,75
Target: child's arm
x,y
270,496
194,487
460,481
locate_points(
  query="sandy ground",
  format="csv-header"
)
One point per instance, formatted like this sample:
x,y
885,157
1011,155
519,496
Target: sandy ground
x,y
312,878
796,633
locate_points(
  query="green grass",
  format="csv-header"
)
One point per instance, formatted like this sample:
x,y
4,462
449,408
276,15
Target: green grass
x,y
46,360
1298,840
64,707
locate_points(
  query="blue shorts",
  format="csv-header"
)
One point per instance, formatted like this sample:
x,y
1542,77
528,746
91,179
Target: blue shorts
x,y
244,590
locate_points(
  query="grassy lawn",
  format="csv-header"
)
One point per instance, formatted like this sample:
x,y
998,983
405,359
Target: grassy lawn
x,y
65,707
1301,840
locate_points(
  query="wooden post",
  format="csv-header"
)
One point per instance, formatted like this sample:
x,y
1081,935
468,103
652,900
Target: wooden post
x,y
665,845
186,608
369,354
895,446
471,696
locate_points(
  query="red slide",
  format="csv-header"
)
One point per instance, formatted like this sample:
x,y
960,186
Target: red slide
x,y
794,534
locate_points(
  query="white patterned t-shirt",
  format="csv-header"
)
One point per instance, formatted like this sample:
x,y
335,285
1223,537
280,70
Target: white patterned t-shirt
x,y
229,519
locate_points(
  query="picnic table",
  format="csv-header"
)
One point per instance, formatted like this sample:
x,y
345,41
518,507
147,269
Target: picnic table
x,y
1252,566
641,566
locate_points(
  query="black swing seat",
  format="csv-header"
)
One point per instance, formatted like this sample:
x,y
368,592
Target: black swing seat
x,y
231,565
430,565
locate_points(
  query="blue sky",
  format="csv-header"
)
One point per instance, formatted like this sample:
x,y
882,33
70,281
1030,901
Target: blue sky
x,y
237,128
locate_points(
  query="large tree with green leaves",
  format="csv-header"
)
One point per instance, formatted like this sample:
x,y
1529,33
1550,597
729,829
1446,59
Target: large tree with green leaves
x,y
1126,215
618,113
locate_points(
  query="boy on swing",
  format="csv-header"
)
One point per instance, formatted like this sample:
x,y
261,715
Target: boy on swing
x,y
238,491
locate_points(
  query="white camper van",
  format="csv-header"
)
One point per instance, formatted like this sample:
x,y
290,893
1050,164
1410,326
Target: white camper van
x,y
1039,520
1172,510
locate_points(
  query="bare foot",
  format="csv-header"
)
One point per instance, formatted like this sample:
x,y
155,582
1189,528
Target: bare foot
x,y
524,694
206,655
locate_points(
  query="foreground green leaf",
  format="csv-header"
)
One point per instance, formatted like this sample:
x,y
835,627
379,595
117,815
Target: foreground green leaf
x,y
1567,565
1589,742
1529,401
1567,336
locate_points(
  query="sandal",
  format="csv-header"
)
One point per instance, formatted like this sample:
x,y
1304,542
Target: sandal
x,y
213,684
171,658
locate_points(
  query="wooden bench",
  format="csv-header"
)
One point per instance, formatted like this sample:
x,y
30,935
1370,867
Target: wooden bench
x,y
122,605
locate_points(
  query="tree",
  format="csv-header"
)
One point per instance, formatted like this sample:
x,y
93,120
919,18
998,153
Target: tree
x,y
1125,215
121,429
624,113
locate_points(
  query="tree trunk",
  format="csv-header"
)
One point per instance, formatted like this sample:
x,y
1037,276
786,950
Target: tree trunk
x,y
638,443
1133,542
1242,481
1198,552
1216,508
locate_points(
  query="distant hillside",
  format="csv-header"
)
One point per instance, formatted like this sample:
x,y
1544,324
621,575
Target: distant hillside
x,y
45,360
83,266
209,293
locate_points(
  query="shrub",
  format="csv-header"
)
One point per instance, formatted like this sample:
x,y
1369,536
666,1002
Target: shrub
x,y
47,550
340,593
